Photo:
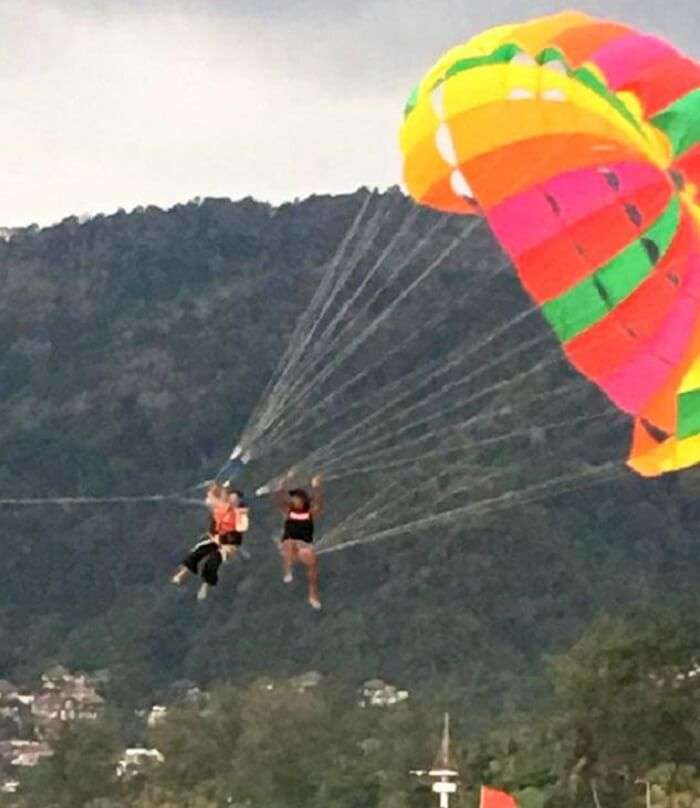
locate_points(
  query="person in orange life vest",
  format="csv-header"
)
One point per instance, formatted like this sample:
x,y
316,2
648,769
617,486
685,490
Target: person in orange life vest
x,y
300,509
228,522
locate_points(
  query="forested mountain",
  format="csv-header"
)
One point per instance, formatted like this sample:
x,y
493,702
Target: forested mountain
x,y
133,348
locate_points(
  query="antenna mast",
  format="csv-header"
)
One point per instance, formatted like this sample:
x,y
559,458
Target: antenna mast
x,y
443,773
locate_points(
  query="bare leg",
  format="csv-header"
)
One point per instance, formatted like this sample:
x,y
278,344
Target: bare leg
x,y
308,558
180,575
288,549
228,551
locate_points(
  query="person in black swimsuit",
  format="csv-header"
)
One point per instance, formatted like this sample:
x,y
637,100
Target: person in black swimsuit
x,y
300,509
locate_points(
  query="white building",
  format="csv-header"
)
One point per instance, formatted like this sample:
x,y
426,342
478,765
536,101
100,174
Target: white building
x,y
66,705
307,681
26,753
377,693
157,715
136,759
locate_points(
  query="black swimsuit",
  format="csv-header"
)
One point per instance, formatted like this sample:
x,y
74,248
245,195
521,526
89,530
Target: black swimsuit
x,y
299,526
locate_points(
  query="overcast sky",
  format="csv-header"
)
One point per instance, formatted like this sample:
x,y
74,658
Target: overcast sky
x,y
118,103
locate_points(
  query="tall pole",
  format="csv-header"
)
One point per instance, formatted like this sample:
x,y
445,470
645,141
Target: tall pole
x,y
445,746
442,774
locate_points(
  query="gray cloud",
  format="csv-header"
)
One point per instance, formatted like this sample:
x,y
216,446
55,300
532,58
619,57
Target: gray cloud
x,y
120,103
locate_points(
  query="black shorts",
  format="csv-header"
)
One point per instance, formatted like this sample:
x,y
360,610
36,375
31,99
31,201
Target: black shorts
x,y
292,538
234,538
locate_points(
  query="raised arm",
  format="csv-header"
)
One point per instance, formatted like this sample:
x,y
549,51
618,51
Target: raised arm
x,y
317,495
280,498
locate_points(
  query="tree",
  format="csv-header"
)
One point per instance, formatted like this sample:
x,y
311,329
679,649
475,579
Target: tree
x,y
628,691
82,769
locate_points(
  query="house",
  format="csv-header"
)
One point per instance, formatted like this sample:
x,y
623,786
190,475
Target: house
x,y
103,676
7,690
10,712
307,681
157,715
135,760
186,690
23,753
54,677
29,753
377,693
74,701
83,693
7,753
66,697
15,719
265,683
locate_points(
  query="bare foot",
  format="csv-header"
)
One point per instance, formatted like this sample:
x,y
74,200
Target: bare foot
x,y
179,576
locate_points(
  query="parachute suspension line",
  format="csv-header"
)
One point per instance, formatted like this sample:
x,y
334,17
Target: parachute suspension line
x,y
483,417
334,278
329,347
318,349
322,348
153,498
251,435
301,389
310,319
355,343
365,511
520,432
472,473
323,454
367,441
459,485
356,523
368,513
280,406
414,381
277,437
330,459
322,290
325,293
248,441
510,499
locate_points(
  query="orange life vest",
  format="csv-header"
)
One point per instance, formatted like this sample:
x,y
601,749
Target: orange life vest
x,y
229,519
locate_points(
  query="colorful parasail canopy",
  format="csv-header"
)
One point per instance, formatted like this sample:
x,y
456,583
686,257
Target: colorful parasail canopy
x,y
579,141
